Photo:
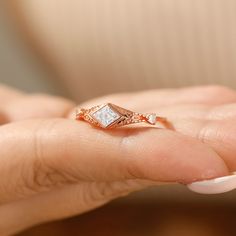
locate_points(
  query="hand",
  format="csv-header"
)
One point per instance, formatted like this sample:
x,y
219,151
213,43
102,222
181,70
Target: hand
x,y
54,167
206,113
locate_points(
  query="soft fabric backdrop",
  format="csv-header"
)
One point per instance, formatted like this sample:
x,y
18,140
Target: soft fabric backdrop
x,y
110,46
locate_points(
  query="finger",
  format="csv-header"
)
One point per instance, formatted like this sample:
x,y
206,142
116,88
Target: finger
x,y
42,154
186,111
61,203
17,105
219,134
37,106
8,94
196,111
212,125
207,95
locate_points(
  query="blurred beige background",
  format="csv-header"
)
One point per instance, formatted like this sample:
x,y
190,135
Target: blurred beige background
x,y
19,66
100,47
105,46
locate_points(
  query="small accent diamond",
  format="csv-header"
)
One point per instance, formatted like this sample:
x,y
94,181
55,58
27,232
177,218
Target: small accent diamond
x,y
106,116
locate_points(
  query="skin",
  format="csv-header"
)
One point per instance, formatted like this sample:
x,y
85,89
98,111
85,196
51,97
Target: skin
x,y
54,167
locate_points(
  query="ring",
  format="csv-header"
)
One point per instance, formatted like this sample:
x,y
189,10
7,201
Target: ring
x,y
109,115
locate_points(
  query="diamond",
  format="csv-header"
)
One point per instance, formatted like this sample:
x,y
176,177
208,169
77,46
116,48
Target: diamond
x,y
106,116
152,119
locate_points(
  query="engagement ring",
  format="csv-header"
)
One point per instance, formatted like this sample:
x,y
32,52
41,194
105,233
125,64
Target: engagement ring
x,y
112,116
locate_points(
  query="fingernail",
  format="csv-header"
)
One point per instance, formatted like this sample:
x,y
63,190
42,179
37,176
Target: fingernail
x,y
214,186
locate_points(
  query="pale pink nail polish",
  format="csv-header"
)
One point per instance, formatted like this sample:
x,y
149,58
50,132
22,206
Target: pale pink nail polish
x,y
214,186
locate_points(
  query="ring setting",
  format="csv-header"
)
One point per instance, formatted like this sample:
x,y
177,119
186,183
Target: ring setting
x,y
109,115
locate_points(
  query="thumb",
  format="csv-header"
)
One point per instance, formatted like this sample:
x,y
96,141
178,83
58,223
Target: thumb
x,y
39,155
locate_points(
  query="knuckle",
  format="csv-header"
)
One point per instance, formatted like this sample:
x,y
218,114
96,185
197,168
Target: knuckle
x,y
97,192
34,179
203,134
39,175
104,191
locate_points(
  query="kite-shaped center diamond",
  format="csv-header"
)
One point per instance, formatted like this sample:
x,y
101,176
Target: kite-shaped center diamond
x,y
106,116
